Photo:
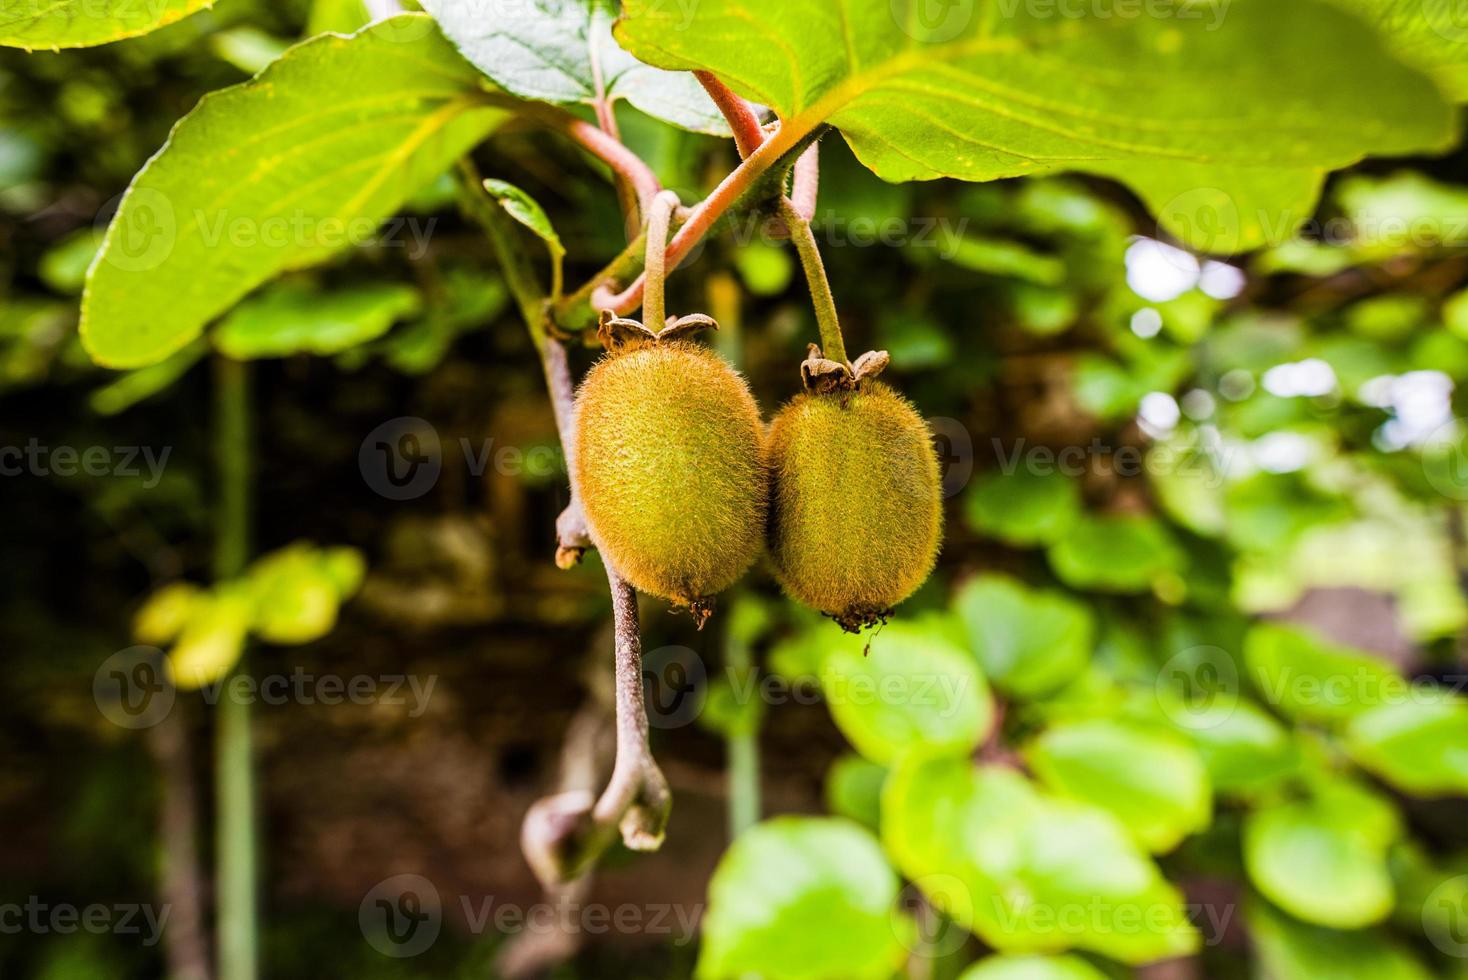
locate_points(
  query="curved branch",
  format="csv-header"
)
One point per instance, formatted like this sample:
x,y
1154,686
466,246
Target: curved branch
x,y
743,123
730,190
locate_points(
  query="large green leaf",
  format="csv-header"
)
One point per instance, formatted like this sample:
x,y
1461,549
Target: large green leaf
x,y
1032,968
1321,861
1024,507
1419,745
281,171
1153,780
911,690
1024,871
803,898
290,318
82,23
1432,34
1306,676
1245,750
1116,553
563,51
1291,950
1222,116
1030,642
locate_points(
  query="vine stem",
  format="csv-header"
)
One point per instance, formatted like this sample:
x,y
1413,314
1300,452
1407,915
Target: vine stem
x,y
565,833
236,839
743,123
833,345
572,535
709,210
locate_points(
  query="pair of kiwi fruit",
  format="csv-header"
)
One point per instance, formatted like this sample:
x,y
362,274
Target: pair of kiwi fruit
x,y
683,485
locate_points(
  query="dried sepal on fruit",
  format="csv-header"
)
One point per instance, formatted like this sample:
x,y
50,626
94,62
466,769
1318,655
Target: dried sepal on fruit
x,y
669,462
856,511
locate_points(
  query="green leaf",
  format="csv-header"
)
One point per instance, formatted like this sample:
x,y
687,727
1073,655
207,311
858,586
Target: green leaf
x,y
212,639
281,171
135,386
1224,118
166,612
1152,780
83,23
1029,642
1291,950
562,51
1024,871
528,212
802,898
1307,677
1115,554
1315,861
1245,751
911,690
296,594
854,790
292,318
1024,507
1431,34
1419,745
1032,968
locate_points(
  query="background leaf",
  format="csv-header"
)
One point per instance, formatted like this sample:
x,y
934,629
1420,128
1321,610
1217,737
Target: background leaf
x,y
912,691
1030,642
82,23
291,318
276,173
1152,780
828,913
562,51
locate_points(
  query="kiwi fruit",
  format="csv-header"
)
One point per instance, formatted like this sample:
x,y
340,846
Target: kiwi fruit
x,y
669,462
856,512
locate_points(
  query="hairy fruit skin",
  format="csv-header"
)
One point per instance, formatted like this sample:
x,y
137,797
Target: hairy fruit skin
x,y
856,511
670,467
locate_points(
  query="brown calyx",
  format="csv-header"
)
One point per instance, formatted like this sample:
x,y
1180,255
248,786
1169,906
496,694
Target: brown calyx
x,y
821,375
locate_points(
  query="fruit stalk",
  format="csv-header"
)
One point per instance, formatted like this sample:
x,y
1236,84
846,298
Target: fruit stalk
x,y
832,343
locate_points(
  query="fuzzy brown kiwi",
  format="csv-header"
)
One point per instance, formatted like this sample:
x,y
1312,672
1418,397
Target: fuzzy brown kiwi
x,y
670,462
856,512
